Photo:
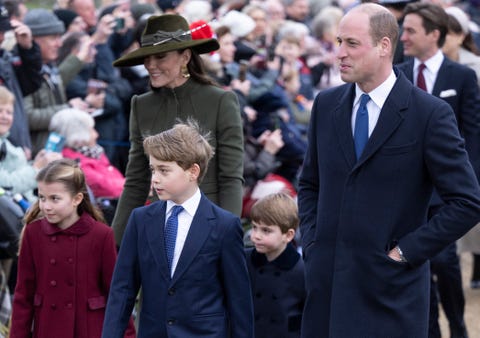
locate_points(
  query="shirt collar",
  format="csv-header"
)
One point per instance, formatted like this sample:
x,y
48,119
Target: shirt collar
x,y
378,95
433,64
190,205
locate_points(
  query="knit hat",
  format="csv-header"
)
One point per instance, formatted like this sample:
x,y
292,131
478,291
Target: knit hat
x,y
43,22
166,5
4,18
201,30
66,16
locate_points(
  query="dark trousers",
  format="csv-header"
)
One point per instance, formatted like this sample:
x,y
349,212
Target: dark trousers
x,y
446,288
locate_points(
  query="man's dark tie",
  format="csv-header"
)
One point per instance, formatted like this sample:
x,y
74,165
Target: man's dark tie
x,y
360,133
171,233
420,78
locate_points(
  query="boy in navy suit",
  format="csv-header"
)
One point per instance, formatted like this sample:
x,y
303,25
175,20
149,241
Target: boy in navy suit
x,y
183,251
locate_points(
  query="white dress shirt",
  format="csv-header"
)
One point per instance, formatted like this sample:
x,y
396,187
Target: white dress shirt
x,y
432,66
185,218
378,96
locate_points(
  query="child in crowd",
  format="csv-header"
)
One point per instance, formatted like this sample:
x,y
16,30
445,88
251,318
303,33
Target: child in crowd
x,y
66,261
275,267
183,251
16,172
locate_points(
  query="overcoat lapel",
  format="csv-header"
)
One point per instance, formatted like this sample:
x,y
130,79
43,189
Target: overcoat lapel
x,y
154,229
391,116
343,125
200,229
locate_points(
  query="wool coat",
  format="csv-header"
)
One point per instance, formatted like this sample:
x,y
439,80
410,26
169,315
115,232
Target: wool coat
x,y
216,112
278,289
63,280
353,212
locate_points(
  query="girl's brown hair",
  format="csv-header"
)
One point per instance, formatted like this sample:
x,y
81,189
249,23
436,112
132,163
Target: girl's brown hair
x,y
68,173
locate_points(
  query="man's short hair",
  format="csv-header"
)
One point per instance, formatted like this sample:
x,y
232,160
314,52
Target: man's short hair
x,y
433,17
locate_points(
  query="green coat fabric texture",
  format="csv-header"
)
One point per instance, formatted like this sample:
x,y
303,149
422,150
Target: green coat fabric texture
x,y
217,112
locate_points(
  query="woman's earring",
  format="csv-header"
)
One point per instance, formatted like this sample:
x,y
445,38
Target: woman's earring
x,y
185,73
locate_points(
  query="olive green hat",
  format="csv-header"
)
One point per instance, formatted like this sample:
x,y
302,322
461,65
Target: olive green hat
x,y
165,33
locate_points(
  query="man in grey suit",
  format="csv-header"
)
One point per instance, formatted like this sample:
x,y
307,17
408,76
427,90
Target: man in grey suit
x,y
377,148
425,30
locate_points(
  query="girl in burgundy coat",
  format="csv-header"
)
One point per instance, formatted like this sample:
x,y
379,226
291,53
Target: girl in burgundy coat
x,y
66,261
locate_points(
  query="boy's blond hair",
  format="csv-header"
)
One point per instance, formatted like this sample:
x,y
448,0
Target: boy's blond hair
x,y
278,209
183,144
6,96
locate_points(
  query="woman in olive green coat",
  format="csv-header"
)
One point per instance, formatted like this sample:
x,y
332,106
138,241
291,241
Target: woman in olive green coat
x,y
180,90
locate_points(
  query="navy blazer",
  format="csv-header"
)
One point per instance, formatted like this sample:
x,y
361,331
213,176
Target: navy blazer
x,y
457,85
209,295
354,211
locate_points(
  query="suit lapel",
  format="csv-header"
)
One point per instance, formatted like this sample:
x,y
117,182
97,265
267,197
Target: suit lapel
x,y
155,236
199,231
444,76
343,124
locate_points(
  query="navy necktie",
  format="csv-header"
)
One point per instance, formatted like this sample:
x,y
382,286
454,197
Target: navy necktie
x,y
171,233
360,133
420,78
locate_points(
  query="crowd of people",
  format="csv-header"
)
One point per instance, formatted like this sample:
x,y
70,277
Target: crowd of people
x,y
300,118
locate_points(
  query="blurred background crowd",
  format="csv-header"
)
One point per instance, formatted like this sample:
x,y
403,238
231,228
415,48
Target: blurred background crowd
x,y
276,55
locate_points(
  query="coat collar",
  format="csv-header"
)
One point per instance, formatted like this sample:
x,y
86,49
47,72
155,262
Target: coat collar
x,y
184,90
79,228
286,261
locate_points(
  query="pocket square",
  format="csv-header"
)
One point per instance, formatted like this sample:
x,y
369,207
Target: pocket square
x,y
448,93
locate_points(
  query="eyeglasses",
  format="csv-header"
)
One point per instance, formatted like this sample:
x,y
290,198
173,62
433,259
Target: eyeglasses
x,y
3,151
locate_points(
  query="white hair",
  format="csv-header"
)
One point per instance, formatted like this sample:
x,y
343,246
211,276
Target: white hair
x,y
73,124
292,28
195,10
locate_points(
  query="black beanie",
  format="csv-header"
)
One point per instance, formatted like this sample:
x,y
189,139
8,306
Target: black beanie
x,y
65,15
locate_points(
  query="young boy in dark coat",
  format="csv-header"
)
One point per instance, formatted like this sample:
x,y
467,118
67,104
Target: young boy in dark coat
x,y
276,268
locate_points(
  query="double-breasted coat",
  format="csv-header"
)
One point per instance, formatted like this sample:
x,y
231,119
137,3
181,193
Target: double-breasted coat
x,y
354,211
278,289
63,280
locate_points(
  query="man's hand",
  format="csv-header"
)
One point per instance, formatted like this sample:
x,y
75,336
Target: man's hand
x,y
23,34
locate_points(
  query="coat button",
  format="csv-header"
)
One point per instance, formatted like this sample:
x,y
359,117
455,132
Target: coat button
x,y
53,238
70,260
53,283
171,292
53,261
171,321
53,306
69,305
